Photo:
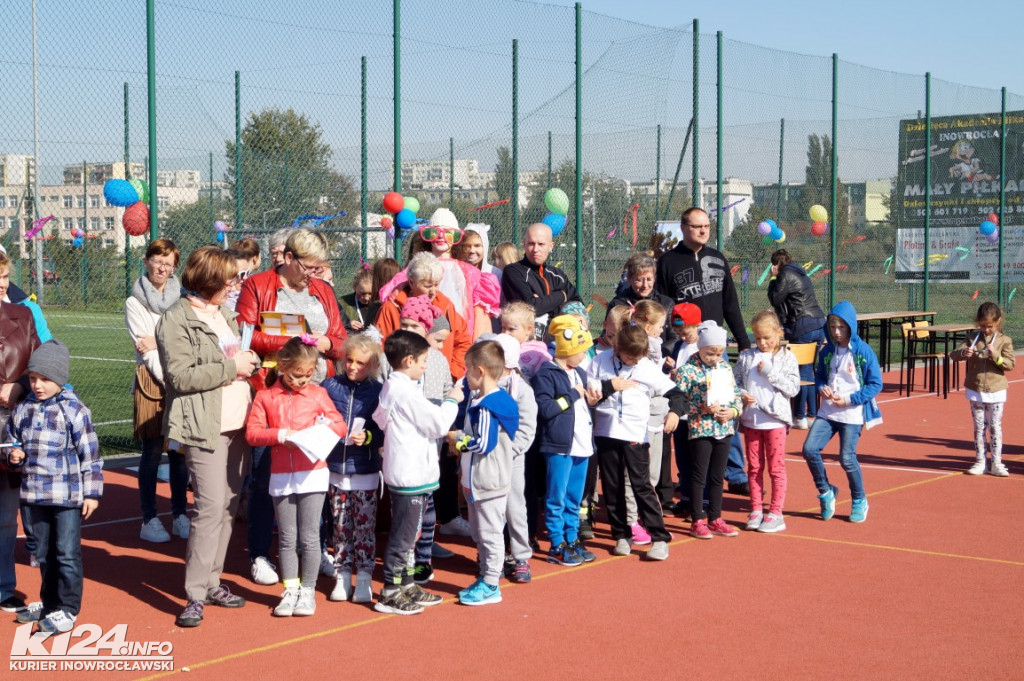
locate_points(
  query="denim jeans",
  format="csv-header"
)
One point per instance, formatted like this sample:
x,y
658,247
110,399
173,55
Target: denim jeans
x,y
818,436
736,465
566,478
149,462
261,506
9,498
806,401
58,531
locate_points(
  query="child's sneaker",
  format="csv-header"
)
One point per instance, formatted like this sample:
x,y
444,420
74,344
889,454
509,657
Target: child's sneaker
x,y
640,535
722,528
417,595
754,521
801,424
700,530
978,468
12,604
773,522
582,552
263,571
521,573
181,526
396,603
326,564
658,551
286,607
480,593
363,592
422,573
306,603
859,512
456,527
621,548
563,555
342,590
57,622
154,532
586,527
998,469
828,502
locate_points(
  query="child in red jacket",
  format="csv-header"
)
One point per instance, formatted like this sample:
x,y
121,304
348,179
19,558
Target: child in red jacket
x,y
299,476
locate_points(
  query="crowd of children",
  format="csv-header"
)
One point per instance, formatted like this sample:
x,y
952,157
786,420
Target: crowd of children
x,y
534,423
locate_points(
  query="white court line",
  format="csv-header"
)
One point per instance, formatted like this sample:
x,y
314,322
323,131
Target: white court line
x,y
109,328
102,359
884,468
112,423
914,397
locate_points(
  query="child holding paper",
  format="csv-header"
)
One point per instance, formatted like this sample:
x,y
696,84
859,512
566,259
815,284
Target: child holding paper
x,y
283,416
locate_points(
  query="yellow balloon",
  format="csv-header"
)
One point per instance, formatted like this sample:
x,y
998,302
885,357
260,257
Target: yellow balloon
x,y
818,213
781,238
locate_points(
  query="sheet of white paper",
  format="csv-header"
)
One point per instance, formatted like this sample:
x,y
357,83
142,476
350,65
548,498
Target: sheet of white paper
x,y
720,387
358,425
316,442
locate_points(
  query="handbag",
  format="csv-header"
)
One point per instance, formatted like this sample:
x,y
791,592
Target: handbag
x,y
149,404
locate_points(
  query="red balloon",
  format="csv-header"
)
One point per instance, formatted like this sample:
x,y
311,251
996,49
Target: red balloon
x,y
819,228
386,222
393,202
993,218
136,219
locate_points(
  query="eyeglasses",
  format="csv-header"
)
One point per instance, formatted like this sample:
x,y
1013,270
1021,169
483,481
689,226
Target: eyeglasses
x,y
432,233
311,271
160,265
242,276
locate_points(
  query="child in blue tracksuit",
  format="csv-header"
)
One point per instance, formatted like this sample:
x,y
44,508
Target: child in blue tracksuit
x,y
565,436
848,378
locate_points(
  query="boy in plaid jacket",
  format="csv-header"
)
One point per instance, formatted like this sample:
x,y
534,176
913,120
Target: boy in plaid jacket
x,y
56,446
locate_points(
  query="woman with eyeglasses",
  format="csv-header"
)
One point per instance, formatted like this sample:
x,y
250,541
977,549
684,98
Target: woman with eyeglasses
x,y
475,294
208,400
153,294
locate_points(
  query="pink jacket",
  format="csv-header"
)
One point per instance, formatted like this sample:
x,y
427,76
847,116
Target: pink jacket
x,y
278,408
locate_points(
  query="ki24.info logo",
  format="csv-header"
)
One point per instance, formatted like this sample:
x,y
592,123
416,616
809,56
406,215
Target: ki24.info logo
x,y
94,650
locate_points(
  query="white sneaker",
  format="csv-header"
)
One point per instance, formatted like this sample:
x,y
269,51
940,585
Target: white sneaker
x,y
801,424
264,572
621,548
306,604
181,526
458,527
287,605
977,469
998,469
364,588
153,531
327,564
342,587
58,622
658,551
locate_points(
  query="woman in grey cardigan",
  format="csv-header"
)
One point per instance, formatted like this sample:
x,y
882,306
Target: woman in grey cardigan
x,y
208,402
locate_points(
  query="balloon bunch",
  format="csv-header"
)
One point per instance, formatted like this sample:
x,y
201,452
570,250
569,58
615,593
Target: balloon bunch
x,y
404,208
557,203
79,237
771,231
990,228
819,220
219,227
132,195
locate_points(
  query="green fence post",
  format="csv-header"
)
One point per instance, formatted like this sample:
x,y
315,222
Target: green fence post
x,y
657,173
451,173
694,190
835,181
83,261
397,66
515,143
363,178
238,151
154,229
927,183
782,149
579,145
1002,193
287,184
549,161
211,191
718,152
127,176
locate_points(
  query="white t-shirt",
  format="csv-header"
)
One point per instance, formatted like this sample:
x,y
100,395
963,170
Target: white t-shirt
x,y
842,378
763,393
355,482
299,482
583,432
624,415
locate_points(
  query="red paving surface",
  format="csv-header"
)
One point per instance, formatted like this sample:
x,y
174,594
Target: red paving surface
x,y
929,587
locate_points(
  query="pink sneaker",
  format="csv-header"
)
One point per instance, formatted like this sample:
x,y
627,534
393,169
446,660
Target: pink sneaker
x,y
640,535
700,530
722,528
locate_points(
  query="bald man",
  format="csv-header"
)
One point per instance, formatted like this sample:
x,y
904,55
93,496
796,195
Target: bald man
x,y
533,281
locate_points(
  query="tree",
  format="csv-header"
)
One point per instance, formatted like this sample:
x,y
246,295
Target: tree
x,y
188,224
286,166
818,183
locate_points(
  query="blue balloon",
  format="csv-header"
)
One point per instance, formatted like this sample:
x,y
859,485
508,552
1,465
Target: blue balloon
x,y
120,193
555,222
776,233
78,242
220,237
987,227
405,219
771,223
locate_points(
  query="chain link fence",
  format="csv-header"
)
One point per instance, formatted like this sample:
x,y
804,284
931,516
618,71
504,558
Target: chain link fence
x,y
264,113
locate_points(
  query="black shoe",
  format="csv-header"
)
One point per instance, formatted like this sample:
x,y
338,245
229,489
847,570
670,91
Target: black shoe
x,y
12,604
422,573
739,488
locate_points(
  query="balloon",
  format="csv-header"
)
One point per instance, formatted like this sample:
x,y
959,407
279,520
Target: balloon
x,y
220,226
141,188
136,219
78,242
764,229
75,232
818,213
386,222
220,237
767,240
781,239
993,218
993,237
393,202
391,232
405,219
772,223
987,228
776,233
556,222
120,193
557,202
413,204
819,228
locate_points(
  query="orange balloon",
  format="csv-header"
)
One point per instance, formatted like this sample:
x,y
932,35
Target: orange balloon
x,y
136,219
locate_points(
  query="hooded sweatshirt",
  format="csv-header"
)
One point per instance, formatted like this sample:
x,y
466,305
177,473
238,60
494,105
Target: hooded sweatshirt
x,y
486,462
865,363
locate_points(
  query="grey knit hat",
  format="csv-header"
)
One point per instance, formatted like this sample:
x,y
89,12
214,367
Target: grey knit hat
x,y
51,359
441,324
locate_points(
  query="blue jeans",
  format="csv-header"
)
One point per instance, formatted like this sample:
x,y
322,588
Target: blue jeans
x,y
9,499
566,477
818,436
58,531
149,462
261,506
806,401
736,466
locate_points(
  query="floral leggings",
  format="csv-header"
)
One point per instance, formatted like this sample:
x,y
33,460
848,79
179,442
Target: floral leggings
x,y
988,414
355,522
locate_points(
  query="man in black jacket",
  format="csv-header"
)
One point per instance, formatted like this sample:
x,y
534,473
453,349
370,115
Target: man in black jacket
x,y
693,272
545,288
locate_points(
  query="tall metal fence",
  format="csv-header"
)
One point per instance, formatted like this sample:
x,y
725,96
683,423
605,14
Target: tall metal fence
x,y
301,98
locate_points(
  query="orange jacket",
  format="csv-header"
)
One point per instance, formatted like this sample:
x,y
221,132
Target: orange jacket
x,y
458,341
277,408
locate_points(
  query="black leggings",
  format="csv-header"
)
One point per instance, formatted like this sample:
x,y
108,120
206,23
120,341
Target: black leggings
x,y
708,457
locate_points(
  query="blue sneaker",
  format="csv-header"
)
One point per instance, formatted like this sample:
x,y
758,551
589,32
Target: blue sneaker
x,y
828,502
581,551
563,555
480,593
860,511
